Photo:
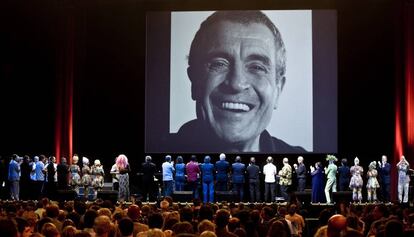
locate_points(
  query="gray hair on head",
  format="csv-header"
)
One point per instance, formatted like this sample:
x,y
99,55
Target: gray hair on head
x,y
269,159
244,18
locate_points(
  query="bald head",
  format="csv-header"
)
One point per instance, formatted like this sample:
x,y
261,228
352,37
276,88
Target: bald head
x,y
336,224
252,160
269,159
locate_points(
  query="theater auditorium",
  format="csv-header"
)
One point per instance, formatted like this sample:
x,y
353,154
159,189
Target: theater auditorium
x,y
207,118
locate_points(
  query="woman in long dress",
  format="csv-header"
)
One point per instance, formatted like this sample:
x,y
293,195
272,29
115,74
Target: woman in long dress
x,y
75,178
356,182
98,176
318,184
124,169
372,183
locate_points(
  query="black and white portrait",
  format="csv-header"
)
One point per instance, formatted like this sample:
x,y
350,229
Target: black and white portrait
x,y
240,81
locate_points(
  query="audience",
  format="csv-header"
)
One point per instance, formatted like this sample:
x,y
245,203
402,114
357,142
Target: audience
x,y
169,219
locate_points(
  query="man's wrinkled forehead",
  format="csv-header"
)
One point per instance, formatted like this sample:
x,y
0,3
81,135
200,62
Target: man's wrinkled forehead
x,y
219,38
214,31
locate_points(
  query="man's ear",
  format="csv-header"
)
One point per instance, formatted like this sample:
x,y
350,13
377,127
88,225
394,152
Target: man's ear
x,y
192,76
280,83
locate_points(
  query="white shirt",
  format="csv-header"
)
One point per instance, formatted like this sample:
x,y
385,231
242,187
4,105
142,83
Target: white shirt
x,y
167,171
269,170
115,173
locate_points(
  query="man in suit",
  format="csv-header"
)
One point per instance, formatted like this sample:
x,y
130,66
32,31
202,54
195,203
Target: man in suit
x,y
384,169
300,170
207,171
238,171
222,169
253,171
14,177
344,175
148,171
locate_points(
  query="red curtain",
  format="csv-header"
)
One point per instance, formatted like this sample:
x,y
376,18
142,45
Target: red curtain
x,y
404,95
65,61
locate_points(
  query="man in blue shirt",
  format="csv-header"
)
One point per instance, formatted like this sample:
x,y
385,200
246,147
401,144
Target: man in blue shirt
x,y
238,171
167,175
222,169
40,175
14,177
207,171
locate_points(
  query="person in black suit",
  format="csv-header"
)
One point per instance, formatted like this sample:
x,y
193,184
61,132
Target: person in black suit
x,y
253,172
384,169
62,173
300,170
344,175
148,171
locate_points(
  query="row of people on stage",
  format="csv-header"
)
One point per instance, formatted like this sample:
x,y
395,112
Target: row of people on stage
x,y
92,178
218,177
32,178
42,176
352,177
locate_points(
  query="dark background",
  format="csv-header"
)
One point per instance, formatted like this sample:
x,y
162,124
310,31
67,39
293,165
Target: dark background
x,y
109,101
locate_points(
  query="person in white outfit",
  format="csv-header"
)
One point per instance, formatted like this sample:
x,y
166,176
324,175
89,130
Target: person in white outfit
x,y
269,170
403,180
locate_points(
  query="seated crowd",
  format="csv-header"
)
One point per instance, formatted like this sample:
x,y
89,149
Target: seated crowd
x,y
166,218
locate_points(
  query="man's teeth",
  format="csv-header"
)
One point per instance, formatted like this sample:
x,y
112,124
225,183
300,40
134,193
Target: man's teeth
x,y
235,106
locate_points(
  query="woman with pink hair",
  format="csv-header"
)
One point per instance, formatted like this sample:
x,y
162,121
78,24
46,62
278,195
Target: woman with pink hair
x,y
123,168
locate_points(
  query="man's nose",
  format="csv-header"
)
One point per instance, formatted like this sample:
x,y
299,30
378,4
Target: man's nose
x,y
237,79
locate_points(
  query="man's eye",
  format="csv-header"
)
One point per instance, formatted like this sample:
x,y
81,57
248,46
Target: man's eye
x,y
217,66
257,68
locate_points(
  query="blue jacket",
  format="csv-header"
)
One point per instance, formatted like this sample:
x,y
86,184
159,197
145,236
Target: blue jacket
x,y
222,168
207,171
344,174
301,171
179,169
14,171
238,172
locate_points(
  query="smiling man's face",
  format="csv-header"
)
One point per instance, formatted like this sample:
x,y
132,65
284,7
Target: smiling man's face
x,y
235,83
